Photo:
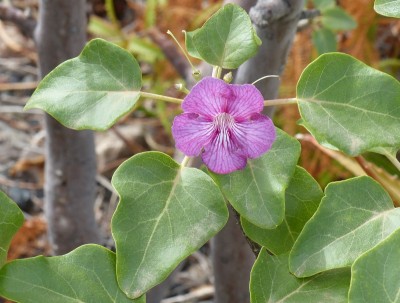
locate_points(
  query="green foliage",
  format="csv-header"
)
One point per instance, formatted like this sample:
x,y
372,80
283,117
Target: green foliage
x,y
86,274
166,211
389,8
227,39
337,19
332,19
354,216
337,97
258,191
11,219
93,90
165,214
302,198
375,275
324,40
190,46
323,5
271,282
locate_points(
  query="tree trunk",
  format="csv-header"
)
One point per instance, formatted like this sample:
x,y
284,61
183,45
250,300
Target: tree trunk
x,y
70,162
276,24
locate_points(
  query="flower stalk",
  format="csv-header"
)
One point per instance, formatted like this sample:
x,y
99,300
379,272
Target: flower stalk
x,y
216,72
274,102
185,161
161,98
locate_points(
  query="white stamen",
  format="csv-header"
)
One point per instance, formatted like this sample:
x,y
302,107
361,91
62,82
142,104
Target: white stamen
x,y
223,123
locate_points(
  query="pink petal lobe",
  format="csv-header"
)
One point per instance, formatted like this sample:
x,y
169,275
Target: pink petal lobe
x,y
255,135
248,100
208,97
223,157
191,133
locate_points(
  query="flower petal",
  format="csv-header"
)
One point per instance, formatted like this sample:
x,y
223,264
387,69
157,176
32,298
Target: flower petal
x,y
248,100
255,135
208,97
191,133
222,156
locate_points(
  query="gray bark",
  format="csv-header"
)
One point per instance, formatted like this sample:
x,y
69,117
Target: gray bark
x,y
232,260
70,162
275,22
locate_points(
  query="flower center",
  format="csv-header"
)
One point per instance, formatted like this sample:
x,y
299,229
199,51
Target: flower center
x,y
223,122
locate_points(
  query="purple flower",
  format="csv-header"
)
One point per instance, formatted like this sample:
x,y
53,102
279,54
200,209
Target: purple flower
x,y
223,123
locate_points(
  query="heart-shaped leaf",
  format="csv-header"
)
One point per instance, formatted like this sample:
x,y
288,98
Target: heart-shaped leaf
x,y
258,192
190,47
389,8
324,40
227,39
302,198
348,105
11,219
324,4
165,214
375,274
271,281
337,19
85,275
93,90
353,217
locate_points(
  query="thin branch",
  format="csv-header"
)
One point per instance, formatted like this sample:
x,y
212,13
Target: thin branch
x,y
132,147
172,53
366,167
18,86
310,14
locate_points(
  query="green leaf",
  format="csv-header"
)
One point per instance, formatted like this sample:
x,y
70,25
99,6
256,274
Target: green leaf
x,y
324,41
324,4
190,47
258,191
301,201
11,219
348,105
93,90
103,28
337,19
164,215
85,275
144,49
271,281
375,274
389,8
353,217
227,39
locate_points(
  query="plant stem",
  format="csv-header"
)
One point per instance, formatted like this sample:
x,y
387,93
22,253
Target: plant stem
x,y
394,160
161,97
216,72
280,102
185,161
265,77
194,69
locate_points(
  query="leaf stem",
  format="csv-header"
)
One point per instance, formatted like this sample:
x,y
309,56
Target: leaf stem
x,y
265,77
394,160
194,69
280,102
161,97
185,161
216,72
110,10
